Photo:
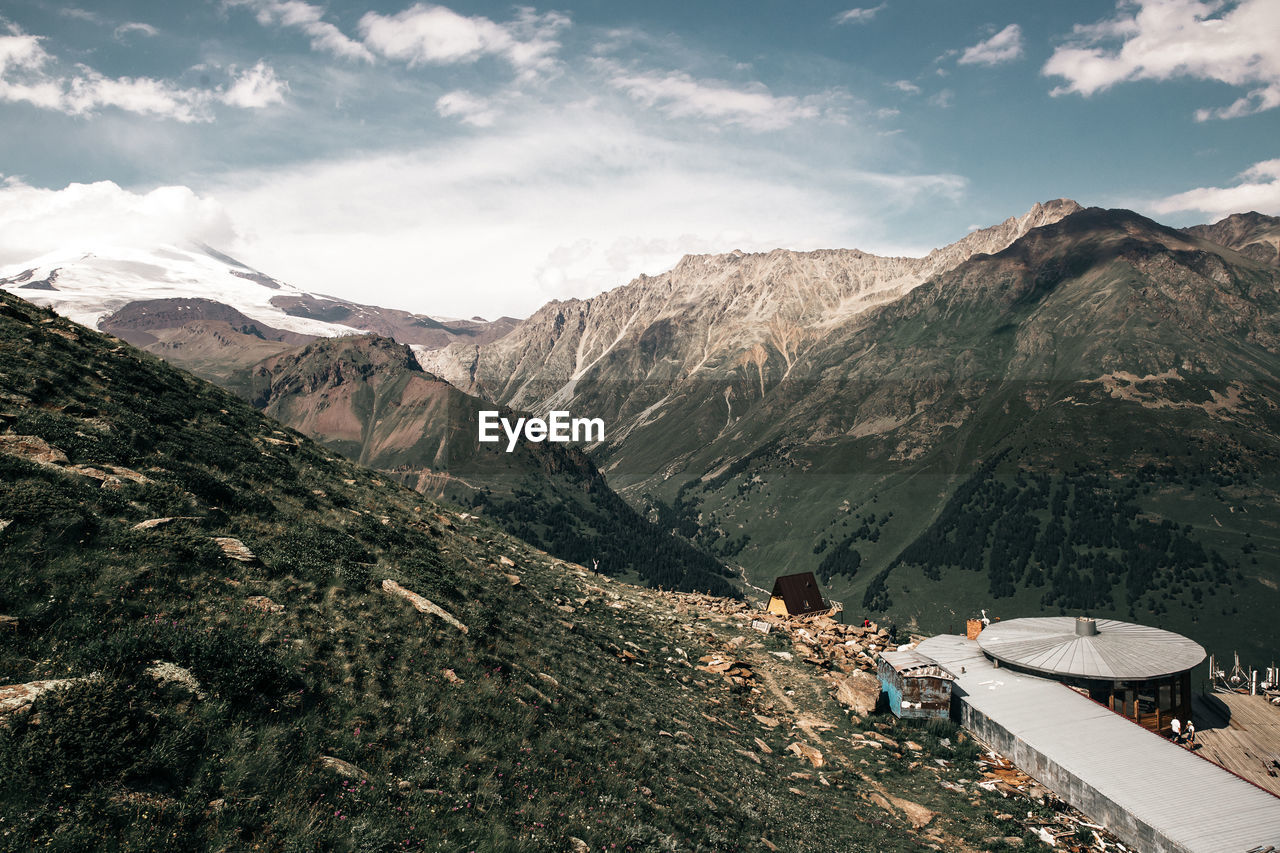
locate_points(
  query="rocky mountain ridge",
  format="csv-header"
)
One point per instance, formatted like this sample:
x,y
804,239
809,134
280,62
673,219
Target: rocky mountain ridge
x,y
708,312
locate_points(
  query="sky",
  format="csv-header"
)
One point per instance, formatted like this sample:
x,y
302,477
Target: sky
x,y
483,158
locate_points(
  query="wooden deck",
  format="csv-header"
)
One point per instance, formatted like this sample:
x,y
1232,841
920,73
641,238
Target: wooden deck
x,y
1240,733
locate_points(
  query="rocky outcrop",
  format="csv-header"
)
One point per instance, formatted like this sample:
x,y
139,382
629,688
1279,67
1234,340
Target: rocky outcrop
x,y
16,697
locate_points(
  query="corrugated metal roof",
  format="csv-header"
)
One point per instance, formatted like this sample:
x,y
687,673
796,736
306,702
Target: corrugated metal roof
x,y
1119,651
912,664
1187,799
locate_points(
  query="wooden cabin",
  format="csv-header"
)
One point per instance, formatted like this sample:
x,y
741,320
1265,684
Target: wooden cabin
x,y
796,595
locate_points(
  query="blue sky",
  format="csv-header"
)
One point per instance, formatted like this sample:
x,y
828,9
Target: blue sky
x,y
482,158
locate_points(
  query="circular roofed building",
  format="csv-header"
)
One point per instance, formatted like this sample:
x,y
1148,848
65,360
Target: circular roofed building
x,y
1140,672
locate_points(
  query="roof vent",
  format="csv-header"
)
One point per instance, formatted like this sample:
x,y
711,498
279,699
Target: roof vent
x,y
1086,627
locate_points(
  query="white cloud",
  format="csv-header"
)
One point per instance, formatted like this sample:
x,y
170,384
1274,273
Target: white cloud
x,y
567,203
1257,188
135,27
1237,43
859,16
256,88
308,18
81,14
905,86
1004,46
27,75
467,108
679,95
425,34
35,221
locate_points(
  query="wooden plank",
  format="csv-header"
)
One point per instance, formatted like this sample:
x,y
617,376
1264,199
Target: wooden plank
x,y
1240,733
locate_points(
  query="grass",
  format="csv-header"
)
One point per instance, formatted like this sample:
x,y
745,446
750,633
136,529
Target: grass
x,y
568,708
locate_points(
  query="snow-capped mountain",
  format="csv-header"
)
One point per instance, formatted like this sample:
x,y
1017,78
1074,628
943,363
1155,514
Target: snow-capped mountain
x,y
171,298
88,286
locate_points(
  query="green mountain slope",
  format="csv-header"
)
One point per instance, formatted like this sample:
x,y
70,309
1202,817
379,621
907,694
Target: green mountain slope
x,y
210,699
367,398
1084,421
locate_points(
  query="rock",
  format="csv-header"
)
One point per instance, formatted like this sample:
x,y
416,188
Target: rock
x,y
884,739
342,768
769,722
10,622
422,605
764,747
156,522
15,697
507,561
111,479
919,816
171,673
577,845
913,746
33,449
451,676
548,679
4,524
235,549
266,605
808,753
404,785
514,580
859,691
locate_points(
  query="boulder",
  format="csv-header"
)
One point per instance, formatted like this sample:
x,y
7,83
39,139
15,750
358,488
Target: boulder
x,y
15,697
859,691
422,605
808,753
261,602
33,449
234,549
343,768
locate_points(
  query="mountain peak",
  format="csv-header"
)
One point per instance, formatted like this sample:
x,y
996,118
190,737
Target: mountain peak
x,y
1254,235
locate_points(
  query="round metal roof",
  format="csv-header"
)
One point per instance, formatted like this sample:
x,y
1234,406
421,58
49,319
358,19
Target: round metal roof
x,y
1064,645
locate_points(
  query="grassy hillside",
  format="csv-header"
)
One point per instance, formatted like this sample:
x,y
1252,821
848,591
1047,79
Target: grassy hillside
x,y
285,701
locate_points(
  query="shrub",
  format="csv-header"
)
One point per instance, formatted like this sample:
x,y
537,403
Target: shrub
x,y
93,733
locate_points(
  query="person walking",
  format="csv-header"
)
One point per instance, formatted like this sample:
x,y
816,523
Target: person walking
x,y
1191,735
1177,730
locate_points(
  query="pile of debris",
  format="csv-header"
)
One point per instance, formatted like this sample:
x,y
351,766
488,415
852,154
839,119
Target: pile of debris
x,y
816,637
1058,824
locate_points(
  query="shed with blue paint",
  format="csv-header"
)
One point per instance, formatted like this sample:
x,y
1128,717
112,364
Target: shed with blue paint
x,y
917,686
